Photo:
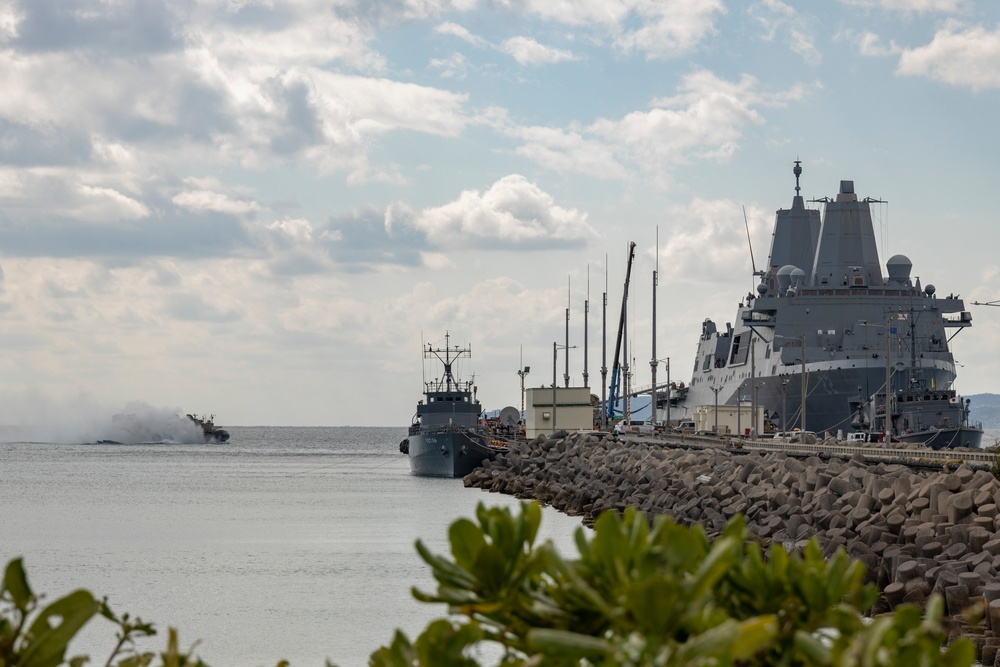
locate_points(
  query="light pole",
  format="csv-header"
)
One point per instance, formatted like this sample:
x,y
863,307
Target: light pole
x,y
524,371
716,390
801,341
739,411
753,386
784,419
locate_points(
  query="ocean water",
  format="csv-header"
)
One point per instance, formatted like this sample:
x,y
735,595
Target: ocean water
x,y
284,543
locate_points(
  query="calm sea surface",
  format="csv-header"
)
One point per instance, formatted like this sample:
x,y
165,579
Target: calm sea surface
x,y
284,543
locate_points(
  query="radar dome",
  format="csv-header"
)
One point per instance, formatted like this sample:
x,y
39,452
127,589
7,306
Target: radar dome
x,y
899,268
784,277
929,290
798,278
761,289
510,416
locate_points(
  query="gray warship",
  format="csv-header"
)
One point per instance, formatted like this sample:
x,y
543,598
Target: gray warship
x,y
445,438
812,347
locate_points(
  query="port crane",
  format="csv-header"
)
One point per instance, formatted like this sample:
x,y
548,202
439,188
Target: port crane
x,y
616,368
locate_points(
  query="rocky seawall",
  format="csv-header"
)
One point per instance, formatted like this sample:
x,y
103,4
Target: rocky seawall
x,y
916,530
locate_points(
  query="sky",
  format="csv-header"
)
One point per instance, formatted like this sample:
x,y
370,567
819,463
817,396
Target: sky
x,y
265,210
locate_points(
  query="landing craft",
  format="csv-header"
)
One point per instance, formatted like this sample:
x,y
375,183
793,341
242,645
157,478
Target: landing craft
x,y
817,337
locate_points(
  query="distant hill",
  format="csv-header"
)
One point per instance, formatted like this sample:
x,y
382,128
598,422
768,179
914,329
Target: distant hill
x,y
985,408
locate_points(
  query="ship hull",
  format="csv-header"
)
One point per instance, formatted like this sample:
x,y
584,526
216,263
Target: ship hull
x,y
446,454
947,438
834,394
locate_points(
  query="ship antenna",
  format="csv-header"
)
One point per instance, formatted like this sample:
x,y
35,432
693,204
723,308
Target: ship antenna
x,y
749,243
798,172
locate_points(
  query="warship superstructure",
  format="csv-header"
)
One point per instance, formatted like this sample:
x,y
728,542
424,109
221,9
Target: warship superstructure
x,y
825,324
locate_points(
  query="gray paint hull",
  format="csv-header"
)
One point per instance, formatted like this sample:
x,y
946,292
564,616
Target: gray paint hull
x,y
447,454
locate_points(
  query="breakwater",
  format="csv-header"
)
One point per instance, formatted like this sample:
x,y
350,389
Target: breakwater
x,y
917,530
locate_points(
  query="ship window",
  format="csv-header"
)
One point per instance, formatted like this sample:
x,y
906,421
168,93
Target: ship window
x,y
707,363
734,355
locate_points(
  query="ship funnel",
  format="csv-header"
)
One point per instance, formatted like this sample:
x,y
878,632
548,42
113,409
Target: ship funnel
x,y
847,191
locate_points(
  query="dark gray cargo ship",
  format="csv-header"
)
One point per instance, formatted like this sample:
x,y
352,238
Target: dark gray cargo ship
x,y
812,346
445,438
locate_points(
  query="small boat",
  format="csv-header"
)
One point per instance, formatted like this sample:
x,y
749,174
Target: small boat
x,y
211,432
445,438
937,418
151,426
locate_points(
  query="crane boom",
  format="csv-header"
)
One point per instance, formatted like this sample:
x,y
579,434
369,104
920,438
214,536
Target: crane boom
x,y
618,342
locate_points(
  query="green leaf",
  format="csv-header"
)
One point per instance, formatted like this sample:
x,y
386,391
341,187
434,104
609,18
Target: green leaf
x,y
445,643
564,643
755,635
466,540
816,652
15,581
961,653
55,626
489,570
531,519
400,653
717,641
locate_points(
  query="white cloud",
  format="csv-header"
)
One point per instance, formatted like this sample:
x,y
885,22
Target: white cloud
x,y
909,6
705,120
512,213
671,27
664,29
527,51
569,151
777,17
462,33
958,56
107,204
870,44
366,105
710,233
454,66
10,17
217,202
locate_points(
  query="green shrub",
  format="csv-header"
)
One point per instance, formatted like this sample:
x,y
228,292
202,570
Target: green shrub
x,y
638,595
660,594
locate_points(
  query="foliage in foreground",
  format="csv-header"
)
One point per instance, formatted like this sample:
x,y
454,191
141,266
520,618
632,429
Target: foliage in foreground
x,y
36,636
637,596
660,595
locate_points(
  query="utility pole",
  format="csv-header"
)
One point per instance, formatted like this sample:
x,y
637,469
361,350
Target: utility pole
x,y
653,363
753,387
784,418
716,390
805,383
522,372
604,360
566,374
586,347
668,392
